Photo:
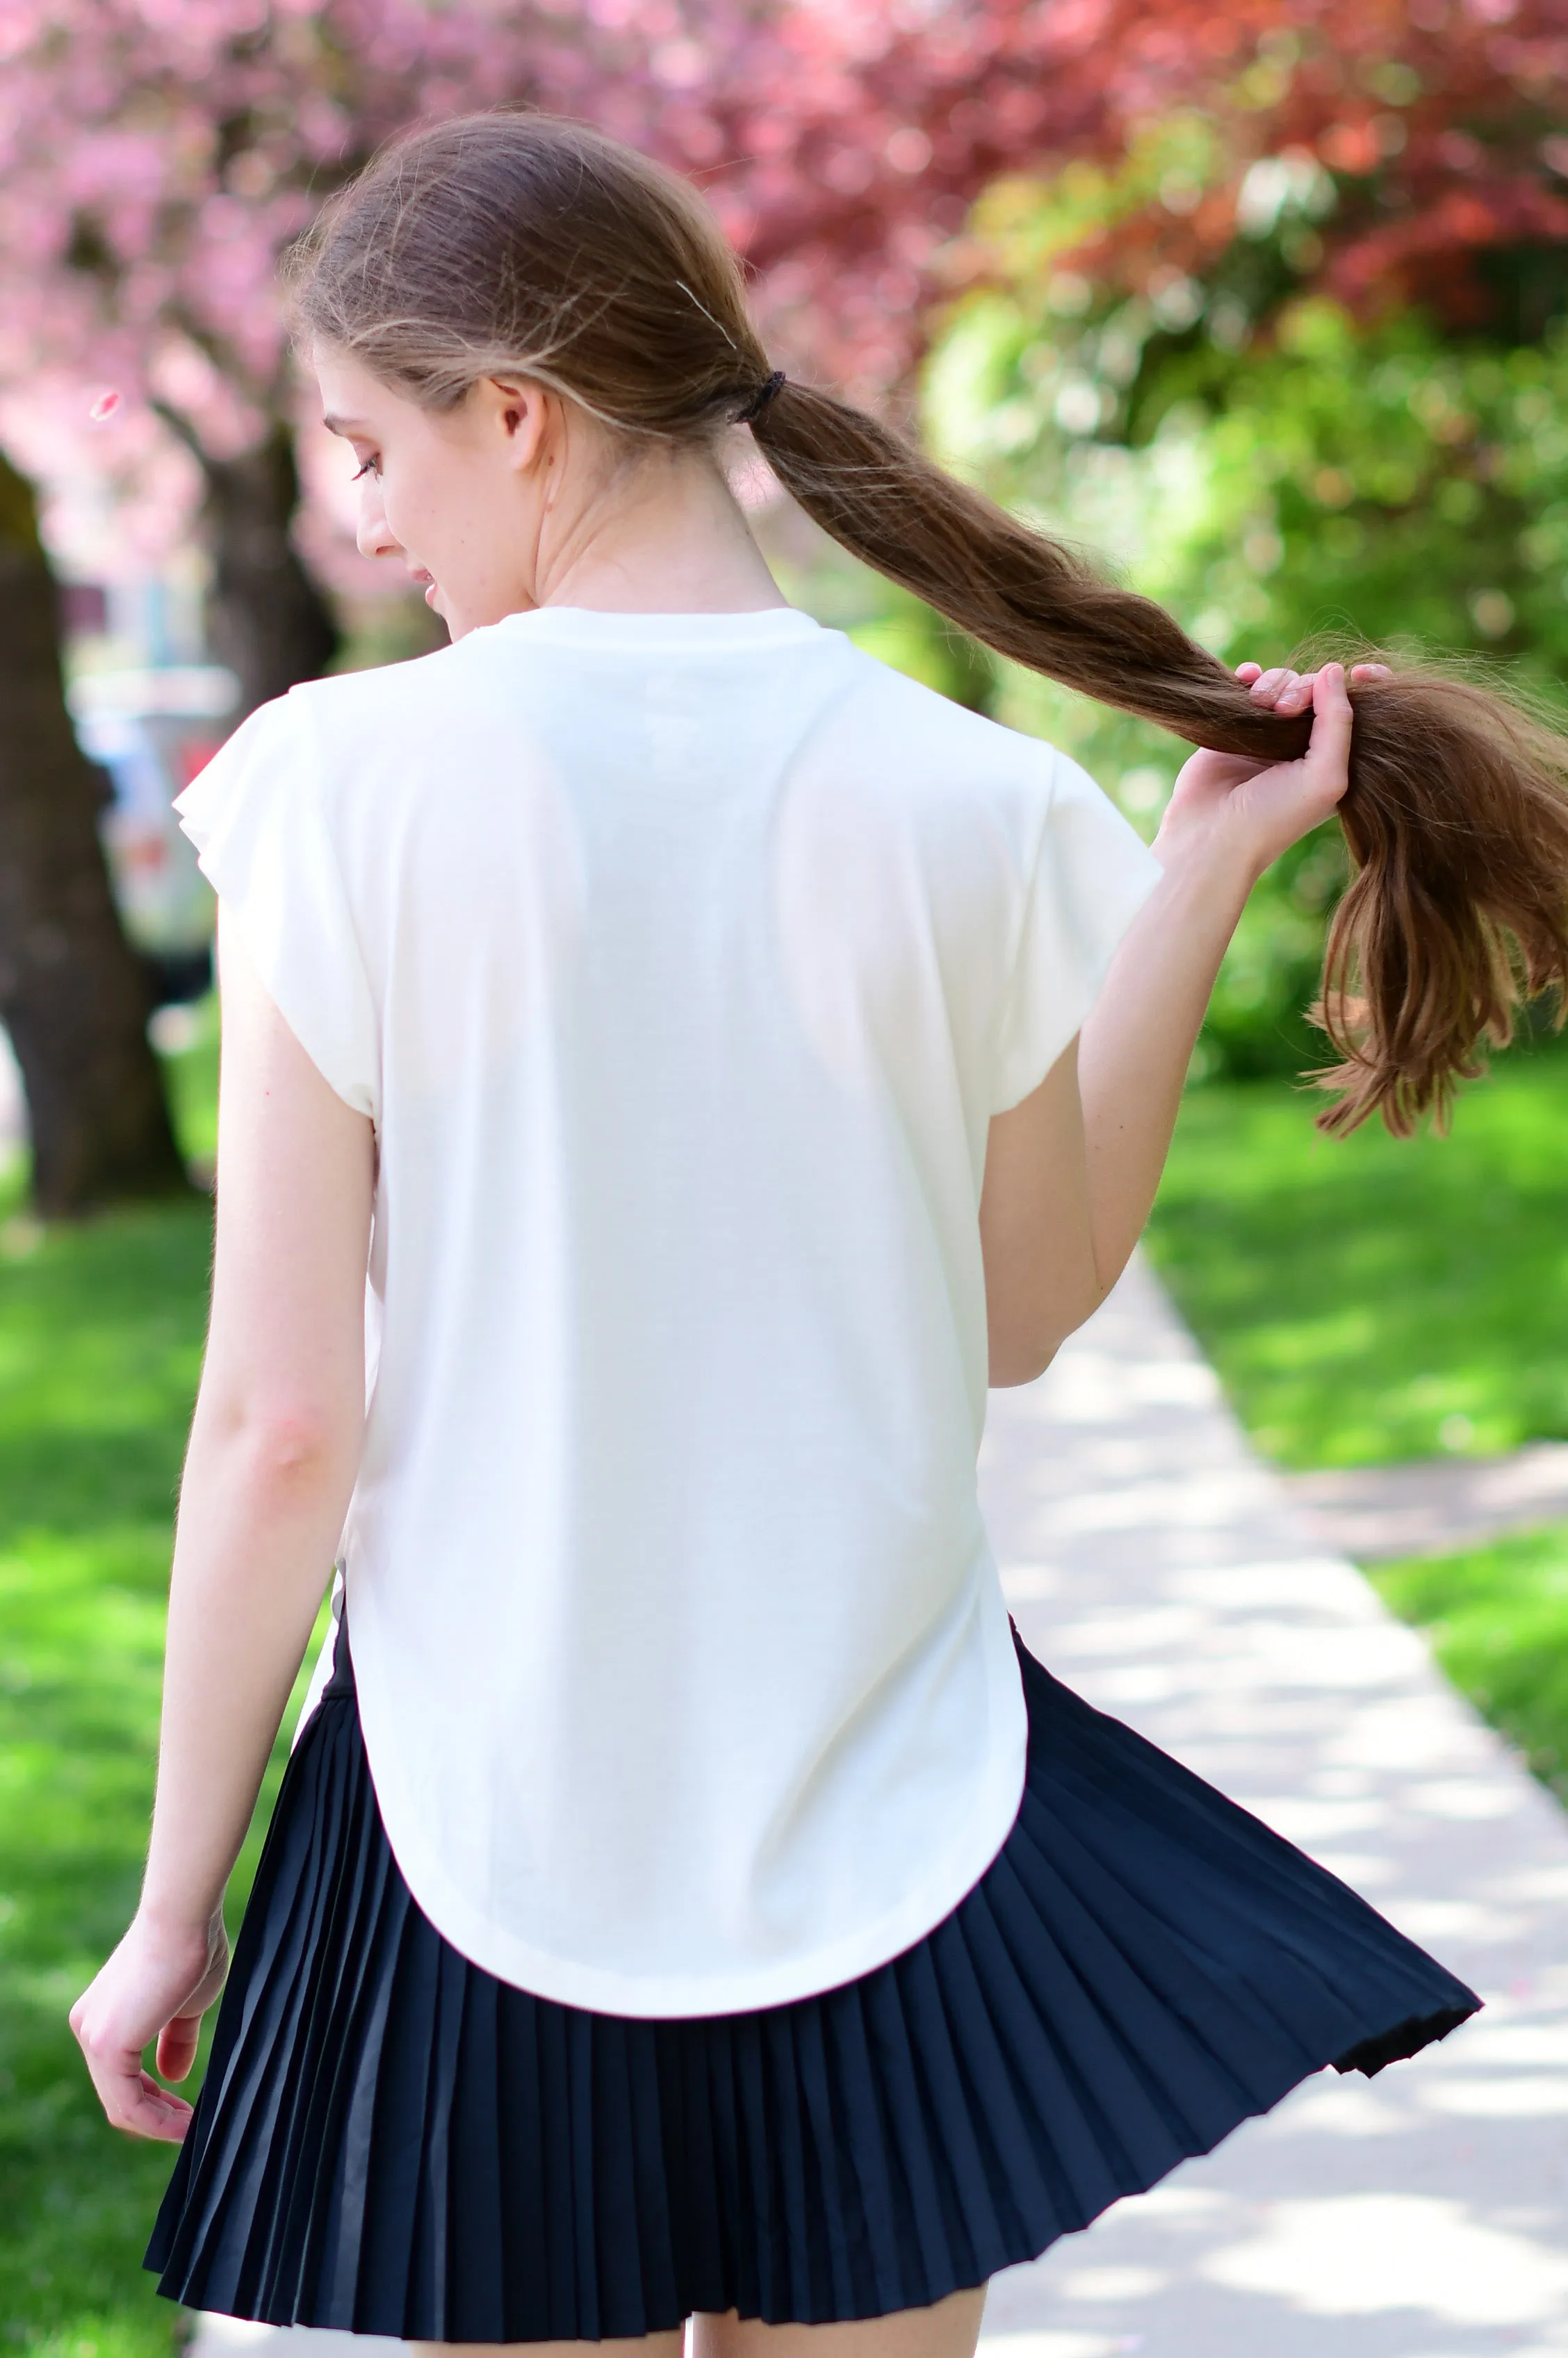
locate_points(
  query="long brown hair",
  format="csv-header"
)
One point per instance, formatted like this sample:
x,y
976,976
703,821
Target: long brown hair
x,y
519,242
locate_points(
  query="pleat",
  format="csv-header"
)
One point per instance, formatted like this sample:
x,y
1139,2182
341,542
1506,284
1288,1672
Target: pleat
x,y
917,2150
612,2195
395,2066
391,2141
578,2210
332,2266
530,2269
867,2172
562,2139
475,2194
1153,2022
798,2259
952,2125
688,2137
662,2273
833,2214
1053,2143
758,2206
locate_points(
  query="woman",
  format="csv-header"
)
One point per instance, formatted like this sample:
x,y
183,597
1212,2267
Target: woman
x,y
686,1901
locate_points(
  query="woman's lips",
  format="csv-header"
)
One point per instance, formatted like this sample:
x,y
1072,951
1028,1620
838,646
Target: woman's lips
x,y
429,585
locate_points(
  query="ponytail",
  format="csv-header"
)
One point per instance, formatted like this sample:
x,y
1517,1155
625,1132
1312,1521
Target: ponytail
x,y
492,242
1456,816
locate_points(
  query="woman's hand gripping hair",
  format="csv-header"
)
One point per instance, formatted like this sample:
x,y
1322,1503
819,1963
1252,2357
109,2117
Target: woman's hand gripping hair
x,y
1263,807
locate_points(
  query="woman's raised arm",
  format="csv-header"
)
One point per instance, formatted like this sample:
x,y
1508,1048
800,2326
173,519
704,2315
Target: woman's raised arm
x,y
1071,1173
274,1450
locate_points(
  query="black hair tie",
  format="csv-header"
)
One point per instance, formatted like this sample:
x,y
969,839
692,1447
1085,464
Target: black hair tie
x,y
759,400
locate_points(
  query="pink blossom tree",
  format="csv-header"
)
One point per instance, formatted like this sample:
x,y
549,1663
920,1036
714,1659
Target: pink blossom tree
x,y
155,155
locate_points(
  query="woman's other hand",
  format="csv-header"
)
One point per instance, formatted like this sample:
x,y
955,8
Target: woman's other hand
x,y
1255,810
157,1984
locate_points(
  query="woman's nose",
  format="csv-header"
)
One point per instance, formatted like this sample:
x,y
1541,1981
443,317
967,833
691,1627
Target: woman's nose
x,y
374,536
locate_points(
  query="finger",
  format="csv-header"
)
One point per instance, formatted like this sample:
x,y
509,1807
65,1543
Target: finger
x,y
176,2046
1247,672
133,2100
1296,694
153,2113
1328,753
1268,684
1371,671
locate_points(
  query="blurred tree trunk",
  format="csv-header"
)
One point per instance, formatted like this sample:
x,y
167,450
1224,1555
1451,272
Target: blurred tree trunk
x,y
73,994
267,621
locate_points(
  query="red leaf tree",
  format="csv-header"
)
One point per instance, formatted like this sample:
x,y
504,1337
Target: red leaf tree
x,y
156,155
1436,129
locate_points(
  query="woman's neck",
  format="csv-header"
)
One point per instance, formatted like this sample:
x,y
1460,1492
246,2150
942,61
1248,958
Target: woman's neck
x,y
665,538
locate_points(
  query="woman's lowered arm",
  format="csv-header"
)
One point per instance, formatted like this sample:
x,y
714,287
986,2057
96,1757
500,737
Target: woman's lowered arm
x,y
272,1454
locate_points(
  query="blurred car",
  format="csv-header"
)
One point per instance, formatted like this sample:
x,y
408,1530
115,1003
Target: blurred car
x,y
150,731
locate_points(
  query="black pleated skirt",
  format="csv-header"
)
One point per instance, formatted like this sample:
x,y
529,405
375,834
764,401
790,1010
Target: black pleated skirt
x,y
391,2141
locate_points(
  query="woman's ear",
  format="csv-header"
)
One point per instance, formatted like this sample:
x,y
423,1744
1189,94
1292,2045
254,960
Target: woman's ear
x,y
519,408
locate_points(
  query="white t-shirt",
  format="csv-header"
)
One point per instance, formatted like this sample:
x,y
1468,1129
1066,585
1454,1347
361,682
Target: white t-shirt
x,y
681,962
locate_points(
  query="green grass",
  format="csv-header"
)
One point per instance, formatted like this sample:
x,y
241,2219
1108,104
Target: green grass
x,y
101,1331
100,1335
192,1078
1354,1296
1370,1299
1498,1620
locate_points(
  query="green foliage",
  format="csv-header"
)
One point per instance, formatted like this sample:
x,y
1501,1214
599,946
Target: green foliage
x,y
1369,1300
1497,1618
191,1078
1378,481
1375,486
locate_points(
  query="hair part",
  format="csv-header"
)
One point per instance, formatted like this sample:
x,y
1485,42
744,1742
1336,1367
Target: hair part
x,y
518,241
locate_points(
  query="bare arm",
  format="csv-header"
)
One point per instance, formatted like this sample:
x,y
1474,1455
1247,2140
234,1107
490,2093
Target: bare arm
x,y
1071,1173
274,1449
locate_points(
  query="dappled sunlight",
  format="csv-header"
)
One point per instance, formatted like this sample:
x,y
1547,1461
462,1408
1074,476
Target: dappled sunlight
x,y
1160,1568
1348,2255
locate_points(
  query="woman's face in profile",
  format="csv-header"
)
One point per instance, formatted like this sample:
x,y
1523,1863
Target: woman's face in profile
x,y
459,495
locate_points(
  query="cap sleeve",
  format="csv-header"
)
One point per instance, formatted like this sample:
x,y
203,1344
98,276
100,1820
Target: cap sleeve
x,y
257,817
1091,874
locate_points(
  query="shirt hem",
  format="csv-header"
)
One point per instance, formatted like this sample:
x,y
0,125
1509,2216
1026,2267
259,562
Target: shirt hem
x,y
684,1996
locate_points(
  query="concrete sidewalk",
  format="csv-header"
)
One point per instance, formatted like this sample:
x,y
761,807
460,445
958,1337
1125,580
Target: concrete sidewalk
x,y
1433,1505
1156,1565
1159,1568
